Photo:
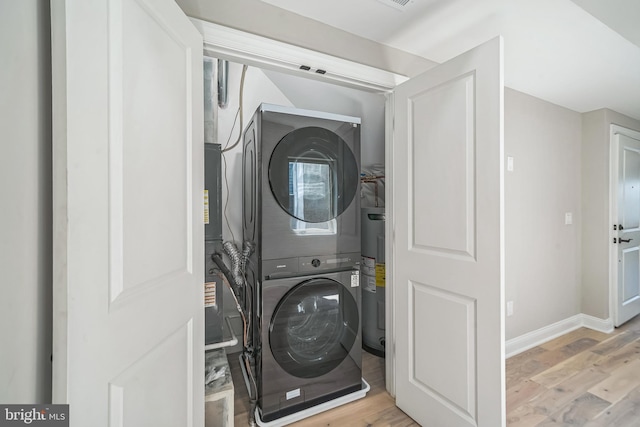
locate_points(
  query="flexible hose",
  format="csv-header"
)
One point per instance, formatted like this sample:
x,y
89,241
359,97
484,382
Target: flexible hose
x,y
253,387
246,252
236,262
226,273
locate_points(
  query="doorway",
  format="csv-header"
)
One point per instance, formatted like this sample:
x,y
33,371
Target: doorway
x,y
424,95
625,217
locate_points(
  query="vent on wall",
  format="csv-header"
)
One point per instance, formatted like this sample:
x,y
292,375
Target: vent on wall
x,y
397,4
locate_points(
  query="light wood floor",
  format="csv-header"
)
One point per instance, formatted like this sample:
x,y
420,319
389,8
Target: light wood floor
x,y
584,378
377,408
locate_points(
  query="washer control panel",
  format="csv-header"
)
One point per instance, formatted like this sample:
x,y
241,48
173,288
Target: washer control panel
x,y
308,265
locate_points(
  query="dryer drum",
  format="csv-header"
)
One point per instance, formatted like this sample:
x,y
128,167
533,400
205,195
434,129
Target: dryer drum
x,y
313,174
313,328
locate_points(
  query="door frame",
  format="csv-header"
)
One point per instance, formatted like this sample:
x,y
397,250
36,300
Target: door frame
x,y
246,48
613,214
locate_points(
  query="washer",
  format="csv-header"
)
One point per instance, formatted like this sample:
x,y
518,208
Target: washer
x,y
301,213
311,342
301,180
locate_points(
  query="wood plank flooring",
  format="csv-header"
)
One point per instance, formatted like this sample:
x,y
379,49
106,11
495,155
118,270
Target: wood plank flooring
x,y
377,408
585,378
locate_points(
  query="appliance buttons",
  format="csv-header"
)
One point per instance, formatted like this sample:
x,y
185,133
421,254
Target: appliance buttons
x,y
315,262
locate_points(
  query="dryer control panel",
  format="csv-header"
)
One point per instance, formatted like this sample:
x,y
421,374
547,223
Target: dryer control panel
x,y
299,266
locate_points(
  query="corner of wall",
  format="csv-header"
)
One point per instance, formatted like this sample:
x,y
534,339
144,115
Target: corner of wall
x,y
595,202
542,251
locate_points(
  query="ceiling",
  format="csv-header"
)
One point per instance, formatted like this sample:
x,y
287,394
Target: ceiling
x,y
580,54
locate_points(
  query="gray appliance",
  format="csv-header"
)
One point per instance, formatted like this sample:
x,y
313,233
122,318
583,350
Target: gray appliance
x,y
213,311
301,213
311,342
373,281
301,183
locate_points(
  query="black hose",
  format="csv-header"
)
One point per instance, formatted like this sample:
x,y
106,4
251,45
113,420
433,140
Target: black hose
x,y
253,393
227,273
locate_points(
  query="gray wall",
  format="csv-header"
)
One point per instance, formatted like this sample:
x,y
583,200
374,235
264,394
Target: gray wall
x,y
258,17
595,207
25,191
542,253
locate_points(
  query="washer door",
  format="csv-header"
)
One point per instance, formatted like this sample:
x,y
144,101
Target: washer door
x,y
313,174
313,328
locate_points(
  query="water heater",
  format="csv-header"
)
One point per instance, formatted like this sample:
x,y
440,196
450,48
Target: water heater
x,y
373,280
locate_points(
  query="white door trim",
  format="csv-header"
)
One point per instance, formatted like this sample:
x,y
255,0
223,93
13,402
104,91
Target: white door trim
x,y
389,237
239,46
613,213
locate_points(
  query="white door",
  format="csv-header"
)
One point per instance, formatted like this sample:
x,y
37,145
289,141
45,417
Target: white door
x,y
627,229
128,213
448,248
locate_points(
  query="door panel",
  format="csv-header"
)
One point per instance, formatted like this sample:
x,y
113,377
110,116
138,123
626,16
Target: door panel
x,y
128,185
628,226
444,192
456,343
448,224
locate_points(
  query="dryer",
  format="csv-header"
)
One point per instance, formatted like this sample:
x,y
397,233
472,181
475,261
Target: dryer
x,y
301,183
311,341
301,213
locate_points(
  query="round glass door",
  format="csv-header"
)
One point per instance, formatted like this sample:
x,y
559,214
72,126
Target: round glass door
x,y
313,328
313,174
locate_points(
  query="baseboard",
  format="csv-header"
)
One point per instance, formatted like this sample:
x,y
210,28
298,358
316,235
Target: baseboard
x,y
540,336
597,324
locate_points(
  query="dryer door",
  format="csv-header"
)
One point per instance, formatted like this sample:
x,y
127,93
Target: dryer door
x,y
313,328
313,174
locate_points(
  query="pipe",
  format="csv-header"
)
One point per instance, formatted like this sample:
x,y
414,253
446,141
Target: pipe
x,y
373,179
223,83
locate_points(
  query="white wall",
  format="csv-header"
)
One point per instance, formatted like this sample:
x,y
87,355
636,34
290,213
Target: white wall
x,y
595,205
542,253
258,89
25,191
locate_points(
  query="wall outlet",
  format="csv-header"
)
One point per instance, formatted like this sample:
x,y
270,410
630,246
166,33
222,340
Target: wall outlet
x,y
509,308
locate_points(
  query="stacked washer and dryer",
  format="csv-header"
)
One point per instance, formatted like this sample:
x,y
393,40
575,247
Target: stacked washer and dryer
x,y
301,212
